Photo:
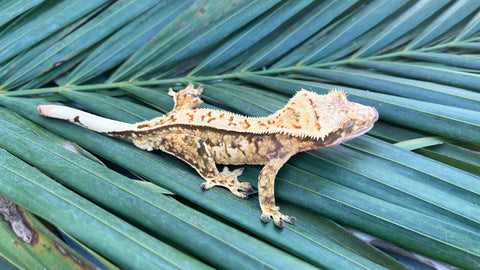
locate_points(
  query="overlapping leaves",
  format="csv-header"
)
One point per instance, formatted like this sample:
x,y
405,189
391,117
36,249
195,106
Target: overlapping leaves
x,y
415,61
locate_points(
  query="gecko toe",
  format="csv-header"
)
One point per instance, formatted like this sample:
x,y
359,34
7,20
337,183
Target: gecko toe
x,y
278,218
238,172
239,194
206,185
245,186
265,218
290,220
242,195
278,222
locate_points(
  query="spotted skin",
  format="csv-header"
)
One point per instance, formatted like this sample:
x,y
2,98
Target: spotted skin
x,y
203,137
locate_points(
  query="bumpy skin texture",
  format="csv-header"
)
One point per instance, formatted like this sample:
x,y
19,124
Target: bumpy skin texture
x,y
204,137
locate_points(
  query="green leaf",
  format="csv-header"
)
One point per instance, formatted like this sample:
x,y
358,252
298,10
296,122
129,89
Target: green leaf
x,y
439,74
390,221
29,244
306,25
197,19
93,101
24,57
466,61
10,9
454,14
29,31
421,142
450,154
20,182
157,99
241,102
414,89
101,26
415,61
472,27
60,68
411,18
250,34
361,22
126,41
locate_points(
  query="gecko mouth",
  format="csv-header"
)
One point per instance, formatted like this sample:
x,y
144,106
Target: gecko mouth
x,y
359,133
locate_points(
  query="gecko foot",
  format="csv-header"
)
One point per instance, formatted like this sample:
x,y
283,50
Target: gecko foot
x,y
228,179
278,218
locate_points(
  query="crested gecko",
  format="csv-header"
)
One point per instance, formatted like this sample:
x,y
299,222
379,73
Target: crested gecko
x,y
206,137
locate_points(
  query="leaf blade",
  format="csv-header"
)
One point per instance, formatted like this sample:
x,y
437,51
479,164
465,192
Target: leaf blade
x,y
367,18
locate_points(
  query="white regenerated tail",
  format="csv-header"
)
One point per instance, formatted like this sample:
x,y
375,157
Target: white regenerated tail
x,y
84,119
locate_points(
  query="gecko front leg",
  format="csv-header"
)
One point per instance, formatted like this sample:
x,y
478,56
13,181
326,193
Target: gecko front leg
x,y
266,195
195,152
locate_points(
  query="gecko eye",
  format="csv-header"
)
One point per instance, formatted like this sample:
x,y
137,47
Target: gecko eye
x,y
348,126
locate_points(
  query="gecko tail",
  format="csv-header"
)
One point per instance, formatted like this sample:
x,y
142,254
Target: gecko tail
x,y
84,119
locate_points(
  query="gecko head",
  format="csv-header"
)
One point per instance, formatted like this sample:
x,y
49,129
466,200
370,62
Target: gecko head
x,y
358,119
321,116
344,118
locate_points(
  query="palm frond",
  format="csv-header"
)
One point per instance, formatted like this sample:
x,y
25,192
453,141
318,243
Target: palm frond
x,y
415,61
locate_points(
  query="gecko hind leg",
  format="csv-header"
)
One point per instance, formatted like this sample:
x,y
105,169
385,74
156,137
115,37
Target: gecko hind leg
x,y
194,151
188,98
